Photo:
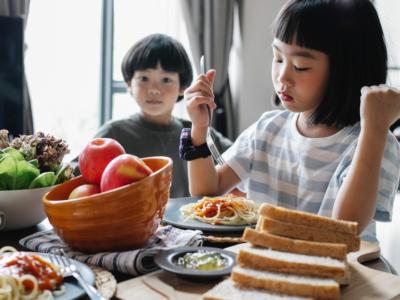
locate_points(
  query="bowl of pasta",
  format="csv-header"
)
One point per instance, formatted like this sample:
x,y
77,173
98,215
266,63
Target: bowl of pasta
x,y
119,219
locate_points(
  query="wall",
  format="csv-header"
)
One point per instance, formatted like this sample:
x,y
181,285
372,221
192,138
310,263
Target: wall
x,y
251,59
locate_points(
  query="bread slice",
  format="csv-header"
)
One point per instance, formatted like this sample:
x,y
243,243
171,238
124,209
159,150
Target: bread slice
x,y
292,285
316,234
229,290
292,263
267,240
307,219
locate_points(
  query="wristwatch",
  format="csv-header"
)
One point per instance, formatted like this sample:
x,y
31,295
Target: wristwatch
x,y
189,152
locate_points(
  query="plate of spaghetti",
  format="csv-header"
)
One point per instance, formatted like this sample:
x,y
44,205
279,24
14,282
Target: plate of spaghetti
x,y
29,275
226,213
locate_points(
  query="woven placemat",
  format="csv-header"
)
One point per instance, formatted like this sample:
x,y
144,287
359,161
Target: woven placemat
x,y
105,282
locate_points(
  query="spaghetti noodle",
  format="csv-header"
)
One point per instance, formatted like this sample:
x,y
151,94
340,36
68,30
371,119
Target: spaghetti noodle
x,y
226,210
25,276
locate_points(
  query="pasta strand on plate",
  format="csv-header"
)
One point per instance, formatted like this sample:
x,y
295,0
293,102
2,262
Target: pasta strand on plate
x,y
227,210
27,277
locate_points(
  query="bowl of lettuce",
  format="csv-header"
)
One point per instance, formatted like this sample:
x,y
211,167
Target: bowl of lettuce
x,y
30,165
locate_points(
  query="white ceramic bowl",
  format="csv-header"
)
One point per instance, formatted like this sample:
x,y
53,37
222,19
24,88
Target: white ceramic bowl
x,y
21,208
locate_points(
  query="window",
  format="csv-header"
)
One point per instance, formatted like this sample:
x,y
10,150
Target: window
x,y
133,20
62,67
388,13
63,60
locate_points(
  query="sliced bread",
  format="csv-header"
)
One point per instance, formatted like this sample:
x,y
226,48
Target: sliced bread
x,y
307,219
229,290
267,240
293,285
292,263
308,233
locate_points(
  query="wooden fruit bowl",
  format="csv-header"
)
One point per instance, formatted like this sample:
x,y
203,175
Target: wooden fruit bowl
x,y
120,219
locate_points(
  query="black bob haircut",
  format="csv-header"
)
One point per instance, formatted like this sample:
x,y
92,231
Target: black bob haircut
x,y
154,49
350,33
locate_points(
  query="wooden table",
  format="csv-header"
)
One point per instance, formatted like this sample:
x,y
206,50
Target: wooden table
x,y
365,283
125,281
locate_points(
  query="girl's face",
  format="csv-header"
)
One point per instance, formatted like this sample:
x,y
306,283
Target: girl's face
x,y
300,76
156,92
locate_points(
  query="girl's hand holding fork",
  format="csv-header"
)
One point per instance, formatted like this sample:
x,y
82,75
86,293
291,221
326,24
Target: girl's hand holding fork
x,y
197,97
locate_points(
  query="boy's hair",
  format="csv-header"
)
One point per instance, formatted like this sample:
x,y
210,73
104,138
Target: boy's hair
x,y
350,33
154,49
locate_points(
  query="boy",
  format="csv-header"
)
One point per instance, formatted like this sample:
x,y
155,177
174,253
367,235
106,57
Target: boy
x,y
156,70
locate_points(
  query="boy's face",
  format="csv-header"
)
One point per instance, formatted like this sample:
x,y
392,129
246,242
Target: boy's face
x,y
300,76
155,91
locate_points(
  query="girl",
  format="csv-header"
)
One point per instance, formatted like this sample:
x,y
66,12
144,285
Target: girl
x,y
330,152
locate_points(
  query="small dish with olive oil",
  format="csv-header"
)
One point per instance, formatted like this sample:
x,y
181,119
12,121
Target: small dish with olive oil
x,y
199,263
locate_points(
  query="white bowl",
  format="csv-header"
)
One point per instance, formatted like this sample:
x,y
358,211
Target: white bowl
x,y
21,208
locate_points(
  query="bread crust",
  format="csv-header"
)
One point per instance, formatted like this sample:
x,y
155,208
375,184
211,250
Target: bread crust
x,y
248,259
329,291
307,219
267,240
309,233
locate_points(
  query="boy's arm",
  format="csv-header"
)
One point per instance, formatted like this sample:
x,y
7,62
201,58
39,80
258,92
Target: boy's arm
x,y
105,131
356,200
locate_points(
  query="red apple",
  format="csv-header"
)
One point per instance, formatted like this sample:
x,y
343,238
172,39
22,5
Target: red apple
x,y
122,170
95,157
84,190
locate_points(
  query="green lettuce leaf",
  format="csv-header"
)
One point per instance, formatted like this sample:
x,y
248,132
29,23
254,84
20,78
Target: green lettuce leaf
x,y
14,153
8,171
34,162
26,173
43,180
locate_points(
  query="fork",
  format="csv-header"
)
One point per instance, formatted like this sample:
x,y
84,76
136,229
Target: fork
x,y
60,258
209,139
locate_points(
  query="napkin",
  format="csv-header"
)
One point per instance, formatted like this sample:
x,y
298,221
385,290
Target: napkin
x,y
134,262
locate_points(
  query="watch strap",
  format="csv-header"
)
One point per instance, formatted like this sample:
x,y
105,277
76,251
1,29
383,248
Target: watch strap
x,y
189,152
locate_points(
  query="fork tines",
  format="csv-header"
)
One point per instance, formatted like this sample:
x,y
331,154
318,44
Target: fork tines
x,y
60,258
213,149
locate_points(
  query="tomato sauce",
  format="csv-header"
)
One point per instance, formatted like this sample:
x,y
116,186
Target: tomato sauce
x,y
19,264
210,209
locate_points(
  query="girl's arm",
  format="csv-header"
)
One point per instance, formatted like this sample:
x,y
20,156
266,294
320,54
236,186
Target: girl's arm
x,y
207,180
204,177
356,200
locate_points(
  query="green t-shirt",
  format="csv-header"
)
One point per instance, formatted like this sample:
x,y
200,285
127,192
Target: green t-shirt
x,y
143,139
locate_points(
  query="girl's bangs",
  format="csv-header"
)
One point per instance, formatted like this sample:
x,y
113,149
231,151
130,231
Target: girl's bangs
x,y
304,25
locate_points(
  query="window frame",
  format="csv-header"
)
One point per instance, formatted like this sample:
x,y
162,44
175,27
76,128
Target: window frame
x,y
108,86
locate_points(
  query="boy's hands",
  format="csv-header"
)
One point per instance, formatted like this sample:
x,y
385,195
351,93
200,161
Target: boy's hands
x,y
380,107
197,97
